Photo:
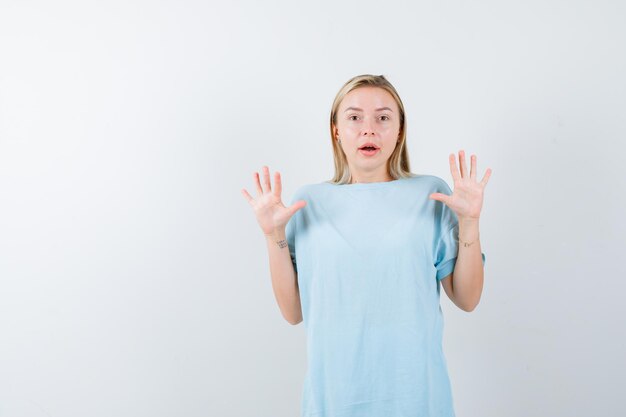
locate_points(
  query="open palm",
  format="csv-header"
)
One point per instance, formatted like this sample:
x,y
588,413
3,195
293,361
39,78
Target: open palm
x,y
467,197
272,215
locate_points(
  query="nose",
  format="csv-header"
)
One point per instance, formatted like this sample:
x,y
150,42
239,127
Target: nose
x,y
368,129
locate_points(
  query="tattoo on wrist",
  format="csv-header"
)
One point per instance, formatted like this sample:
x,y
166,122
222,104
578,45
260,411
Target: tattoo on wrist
x,y
282,243
467,243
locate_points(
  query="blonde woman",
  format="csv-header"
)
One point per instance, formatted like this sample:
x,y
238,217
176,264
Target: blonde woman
x,y
360,259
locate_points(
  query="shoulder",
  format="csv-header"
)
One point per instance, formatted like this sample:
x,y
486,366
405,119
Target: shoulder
x,y
313,188
303,189
303,192
432,183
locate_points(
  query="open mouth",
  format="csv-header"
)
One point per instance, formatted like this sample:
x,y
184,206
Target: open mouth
x,y
369,149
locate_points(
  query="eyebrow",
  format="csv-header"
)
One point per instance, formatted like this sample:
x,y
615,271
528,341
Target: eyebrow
x,y
357,109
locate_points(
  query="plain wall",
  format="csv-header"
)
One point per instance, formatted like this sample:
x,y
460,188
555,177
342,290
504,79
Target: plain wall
x,y
134,279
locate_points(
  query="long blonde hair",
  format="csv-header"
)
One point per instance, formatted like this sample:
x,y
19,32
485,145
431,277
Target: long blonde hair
x,y
398,163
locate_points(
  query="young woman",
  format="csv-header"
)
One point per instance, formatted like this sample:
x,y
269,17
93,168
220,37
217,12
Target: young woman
x,y
360,259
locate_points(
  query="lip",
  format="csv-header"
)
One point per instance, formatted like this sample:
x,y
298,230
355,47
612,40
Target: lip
x,y
373,145
369,153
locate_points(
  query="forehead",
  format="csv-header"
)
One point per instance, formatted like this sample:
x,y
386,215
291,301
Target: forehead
x,y
369,97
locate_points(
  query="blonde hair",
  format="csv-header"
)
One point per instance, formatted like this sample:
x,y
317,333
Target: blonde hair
x,y
398,163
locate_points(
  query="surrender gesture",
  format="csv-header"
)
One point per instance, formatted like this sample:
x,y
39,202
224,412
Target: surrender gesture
x,y
271,213
467,197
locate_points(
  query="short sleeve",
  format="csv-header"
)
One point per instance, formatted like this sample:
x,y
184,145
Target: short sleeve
x,y
446,237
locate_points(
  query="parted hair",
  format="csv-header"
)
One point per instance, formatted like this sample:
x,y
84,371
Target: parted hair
x,y
398,163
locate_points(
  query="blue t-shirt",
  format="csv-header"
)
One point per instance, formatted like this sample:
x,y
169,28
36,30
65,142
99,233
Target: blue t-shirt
x,y
369,258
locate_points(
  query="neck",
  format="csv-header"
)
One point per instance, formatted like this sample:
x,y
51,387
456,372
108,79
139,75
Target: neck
x,y
362,179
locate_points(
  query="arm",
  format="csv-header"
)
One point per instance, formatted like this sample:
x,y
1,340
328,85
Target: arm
x,y
284,278
466,282
273,218
465,285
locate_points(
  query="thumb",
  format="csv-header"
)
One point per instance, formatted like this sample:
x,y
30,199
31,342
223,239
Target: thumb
x,y
444,198
296,206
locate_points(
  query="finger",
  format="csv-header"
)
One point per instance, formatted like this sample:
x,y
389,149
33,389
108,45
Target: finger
x,y
473,167
462,164
266,179
444,198
247,195
296,206
259,190
486,177
278,186
453,168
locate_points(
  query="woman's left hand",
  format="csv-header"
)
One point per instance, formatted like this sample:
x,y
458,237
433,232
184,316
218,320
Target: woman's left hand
x,y
467,197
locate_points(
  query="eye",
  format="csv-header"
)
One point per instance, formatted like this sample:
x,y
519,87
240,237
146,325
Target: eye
x,y
351,117
384,117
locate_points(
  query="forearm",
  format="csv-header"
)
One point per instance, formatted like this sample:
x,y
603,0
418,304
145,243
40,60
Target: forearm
x,y
284,280
467,278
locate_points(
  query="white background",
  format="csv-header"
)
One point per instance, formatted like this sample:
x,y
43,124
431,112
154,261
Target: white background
x,y
134,279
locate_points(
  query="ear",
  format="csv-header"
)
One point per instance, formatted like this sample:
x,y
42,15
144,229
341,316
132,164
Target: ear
x,y
335,131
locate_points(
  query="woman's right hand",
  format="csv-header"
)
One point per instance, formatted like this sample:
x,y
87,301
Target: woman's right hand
x,y
268,207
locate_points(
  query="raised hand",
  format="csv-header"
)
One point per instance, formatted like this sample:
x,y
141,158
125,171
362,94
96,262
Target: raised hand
x,y
268,207
467,197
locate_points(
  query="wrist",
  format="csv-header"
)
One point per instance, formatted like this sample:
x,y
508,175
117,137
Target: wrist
x,y
468,230
277,234
468,220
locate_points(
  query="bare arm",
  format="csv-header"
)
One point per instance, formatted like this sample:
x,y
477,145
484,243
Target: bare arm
x,y
465,285
284,277
273,217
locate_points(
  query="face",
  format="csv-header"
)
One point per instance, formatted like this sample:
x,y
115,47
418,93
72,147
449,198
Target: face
x,y
368,115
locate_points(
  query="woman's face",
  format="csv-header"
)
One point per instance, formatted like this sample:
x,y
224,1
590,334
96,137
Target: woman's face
x,y
368,115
